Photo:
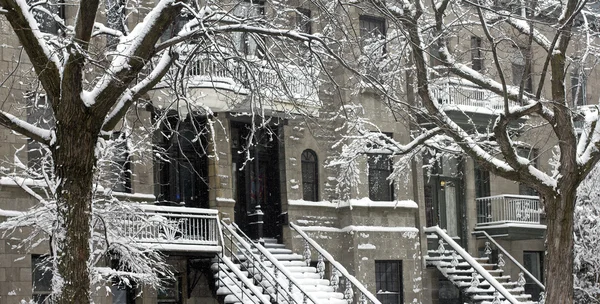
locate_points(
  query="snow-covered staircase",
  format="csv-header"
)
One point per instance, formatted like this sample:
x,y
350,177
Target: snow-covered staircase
x,y
482,281
249,272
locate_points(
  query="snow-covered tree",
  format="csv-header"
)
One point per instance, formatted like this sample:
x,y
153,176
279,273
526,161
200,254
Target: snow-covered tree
x,y
538,56
102,59
587,244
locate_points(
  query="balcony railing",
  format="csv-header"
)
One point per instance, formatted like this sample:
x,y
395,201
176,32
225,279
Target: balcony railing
x,y
171,225
508,208
281,82
449,92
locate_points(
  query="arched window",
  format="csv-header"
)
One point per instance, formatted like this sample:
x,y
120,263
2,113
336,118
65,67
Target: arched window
x,y
310,176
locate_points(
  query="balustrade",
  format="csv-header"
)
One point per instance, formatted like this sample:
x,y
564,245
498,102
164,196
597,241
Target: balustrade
x,y
508,208
171,225
339,277
455,92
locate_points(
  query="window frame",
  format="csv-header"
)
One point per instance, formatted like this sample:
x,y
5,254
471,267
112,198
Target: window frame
x,y
379,292
578,88
123,160
40,296
314,163
183,154
303,20
522,67
531,154
373,162
48,25
476,54
380,24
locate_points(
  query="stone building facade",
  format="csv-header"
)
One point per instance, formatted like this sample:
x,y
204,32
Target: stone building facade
x,y
287,181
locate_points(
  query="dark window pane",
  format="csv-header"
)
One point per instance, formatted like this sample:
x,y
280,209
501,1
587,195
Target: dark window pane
x,y
372,30
476,55
380,168
532,155
578,88
388,281
303,21
482,182
41,279
310,176
183,163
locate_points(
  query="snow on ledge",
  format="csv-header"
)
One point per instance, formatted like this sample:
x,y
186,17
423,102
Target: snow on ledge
x,y
181,247
363,202
511,225
38,183
353,228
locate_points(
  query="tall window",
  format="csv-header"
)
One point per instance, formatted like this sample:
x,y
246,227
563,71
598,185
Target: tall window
x,y
39,113
476,54
578,87
303,21
388,282
532,155
482,182
119,166
380,169
533,261
171,292
372,30
310,179
246,43
521,67
183,162
41,279
44,13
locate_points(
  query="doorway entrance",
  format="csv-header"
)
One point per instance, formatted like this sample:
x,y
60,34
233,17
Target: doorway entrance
x,y
444,201
255,158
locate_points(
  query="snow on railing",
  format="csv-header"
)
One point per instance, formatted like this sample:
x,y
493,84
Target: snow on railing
x,y
502,262
282,288
283,82
473,263
455,92
337,270
508,208
172,225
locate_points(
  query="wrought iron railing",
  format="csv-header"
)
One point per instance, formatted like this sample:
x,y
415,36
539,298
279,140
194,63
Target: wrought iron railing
x,y
172,225
241,287
478,269
276,280
508,208
501,261
338,274
452,91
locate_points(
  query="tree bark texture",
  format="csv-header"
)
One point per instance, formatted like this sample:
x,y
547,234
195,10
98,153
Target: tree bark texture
x,y
559,247
74,161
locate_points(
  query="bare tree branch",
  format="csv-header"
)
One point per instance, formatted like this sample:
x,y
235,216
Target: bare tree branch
x,y
43,59
36,133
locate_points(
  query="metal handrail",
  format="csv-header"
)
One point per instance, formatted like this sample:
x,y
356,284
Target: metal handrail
x,y
511,258
350,278
246,242
467,257
243,280
259,269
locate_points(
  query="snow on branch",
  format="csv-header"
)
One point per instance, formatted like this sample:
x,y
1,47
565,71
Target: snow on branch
x,y
132,94
20,126
44,58
132,53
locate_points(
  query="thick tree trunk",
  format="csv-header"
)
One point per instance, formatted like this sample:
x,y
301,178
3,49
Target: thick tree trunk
x,y
74,162
559,245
